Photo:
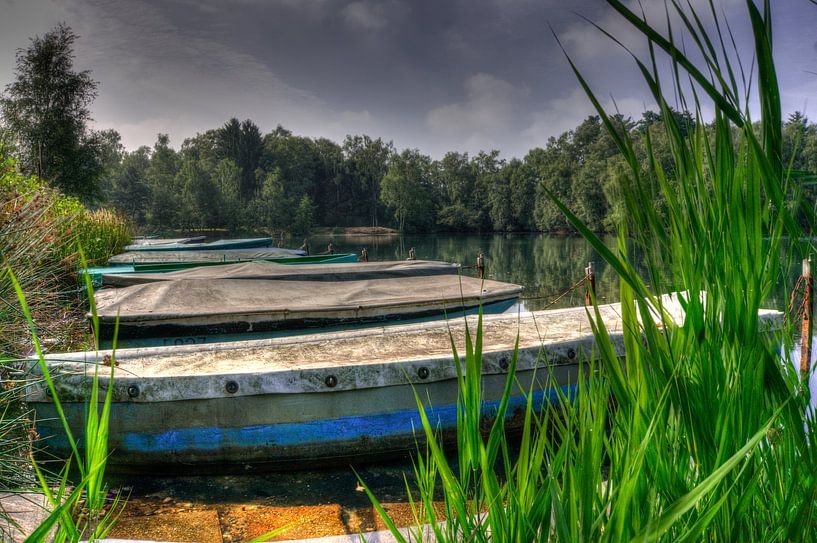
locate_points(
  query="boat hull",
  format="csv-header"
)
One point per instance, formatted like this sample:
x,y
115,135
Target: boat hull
x,y
291,430
329,397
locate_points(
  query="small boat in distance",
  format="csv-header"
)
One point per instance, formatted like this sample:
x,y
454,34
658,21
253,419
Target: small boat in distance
x,y
220,244
153,240
105,275
221,256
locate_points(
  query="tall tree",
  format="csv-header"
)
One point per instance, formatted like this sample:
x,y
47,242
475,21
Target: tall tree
x,y
241,142
46,107
407,190
130,191
366,162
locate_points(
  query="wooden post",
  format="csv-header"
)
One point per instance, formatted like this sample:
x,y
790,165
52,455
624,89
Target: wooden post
x,y
481,265
590,276
806,331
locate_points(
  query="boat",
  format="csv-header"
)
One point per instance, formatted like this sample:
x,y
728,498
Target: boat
x,y
185,246
213,255
106,275
154,240
213,304
327,398
273,270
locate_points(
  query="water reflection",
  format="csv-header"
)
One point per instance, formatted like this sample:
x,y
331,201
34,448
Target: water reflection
x,y
546,265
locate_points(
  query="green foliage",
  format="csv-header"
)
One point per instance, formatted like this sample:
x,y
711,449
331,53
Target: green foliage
x,y
710,432
84,512
367,182
407,190
39,230
46,108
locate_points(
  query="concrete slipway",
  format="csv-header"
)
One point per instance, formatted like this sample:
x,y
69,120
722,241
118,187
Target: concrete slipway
x,y
319,397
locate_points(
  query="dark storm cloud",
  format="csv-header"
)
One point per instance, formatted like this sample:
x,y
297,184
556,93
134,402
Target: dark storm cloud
x,y
457,75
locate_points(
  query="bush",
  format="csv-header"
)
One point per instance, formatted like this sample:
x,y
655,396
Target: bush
x,y
40,230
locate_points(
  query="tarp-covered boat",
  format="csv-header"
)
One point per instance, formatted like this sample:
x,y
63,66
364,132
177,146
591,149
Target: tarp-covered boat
x,y
229,306
105,275
220,244
212,255
281,272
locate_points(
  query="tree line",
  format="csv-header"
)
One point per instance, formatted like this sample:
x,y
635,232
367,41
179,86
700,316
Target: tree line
x,y
238,178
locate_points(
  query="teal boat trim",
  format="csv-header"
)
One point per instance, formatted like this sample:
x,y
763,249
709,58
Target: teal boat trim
x,y
96,273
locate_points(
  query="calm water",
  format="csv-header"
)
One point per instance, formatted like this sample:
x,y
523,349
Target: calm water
x,y
546,266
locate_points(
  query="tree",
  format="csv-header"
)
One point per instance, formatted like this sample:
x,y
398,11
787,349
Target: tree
x,y
130,191
46,107
241,142
406,190
161,177
366,162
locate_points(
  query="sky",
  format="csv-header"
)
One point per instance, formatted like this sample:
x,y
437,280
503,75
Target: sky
x,y
439,76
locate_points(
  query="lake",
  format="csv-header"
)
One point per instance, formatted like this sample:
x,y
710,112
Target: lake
x,y
547,266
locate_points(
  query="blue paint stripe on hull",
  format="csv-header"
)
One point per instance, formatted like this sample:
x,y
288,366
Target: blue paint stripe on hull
x,y
398,423
264,442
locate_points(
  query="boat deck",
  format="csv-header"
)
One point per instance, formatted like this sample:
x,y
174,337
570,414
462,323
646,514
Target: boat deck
x,y
373,357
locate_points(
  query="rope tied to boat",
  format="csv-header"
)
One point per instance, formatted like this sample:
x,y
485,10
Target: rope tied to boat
x,y
559,296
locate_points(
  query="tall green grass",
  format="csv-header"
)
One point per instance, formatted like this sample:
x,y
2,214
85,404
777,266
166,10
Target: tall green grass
x,y
709,436
83,510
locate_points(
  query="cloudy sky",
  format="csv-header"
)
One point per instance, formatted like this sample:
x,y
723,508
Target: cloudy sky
x,y
437,75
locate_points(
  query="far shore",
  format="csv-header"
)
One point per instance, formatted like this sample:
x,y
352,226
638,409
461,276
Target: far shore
x,y
352,231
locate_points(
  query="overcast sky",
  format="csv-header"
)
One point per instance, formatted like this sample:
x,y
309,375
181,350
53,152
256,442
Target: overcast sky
x,y
439,75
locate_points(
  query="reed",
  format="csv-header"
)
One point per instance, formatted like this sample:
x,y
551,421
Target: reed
x,y
84,511
709,434
40,230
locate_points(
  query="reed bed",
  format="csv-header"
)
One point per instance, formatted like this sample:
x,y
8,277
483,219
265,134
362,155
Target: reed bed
x,y
703,430
39,234
82,509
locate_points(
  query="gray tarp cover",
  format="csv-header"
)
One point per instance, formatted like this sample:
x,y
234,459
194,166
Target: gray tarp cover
x,y
283,272
279,300
220,255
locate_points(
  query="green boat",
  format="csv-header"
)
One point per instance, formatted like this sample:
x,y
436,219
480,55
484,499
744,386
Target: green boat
x,y
97,273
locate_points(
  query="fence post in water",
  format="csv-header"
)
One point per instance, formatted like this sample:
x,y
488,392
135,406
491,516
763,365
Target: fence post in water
x,y
806,330
481,265
590,278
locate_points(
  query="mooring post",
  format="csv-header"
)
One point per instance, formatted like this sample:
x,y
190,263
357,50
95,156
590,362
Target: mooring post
x,y
364,255
590,278
805,349
481,264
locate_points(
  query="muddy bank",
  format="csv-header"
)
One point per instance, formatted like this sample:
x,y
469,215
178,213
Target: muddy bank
x,y
234,508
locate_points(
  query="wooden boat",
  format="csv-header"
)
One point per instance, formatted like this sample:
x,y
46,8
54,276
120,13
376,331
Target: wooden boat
x,y
323,397
208,305
106,275
221,244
